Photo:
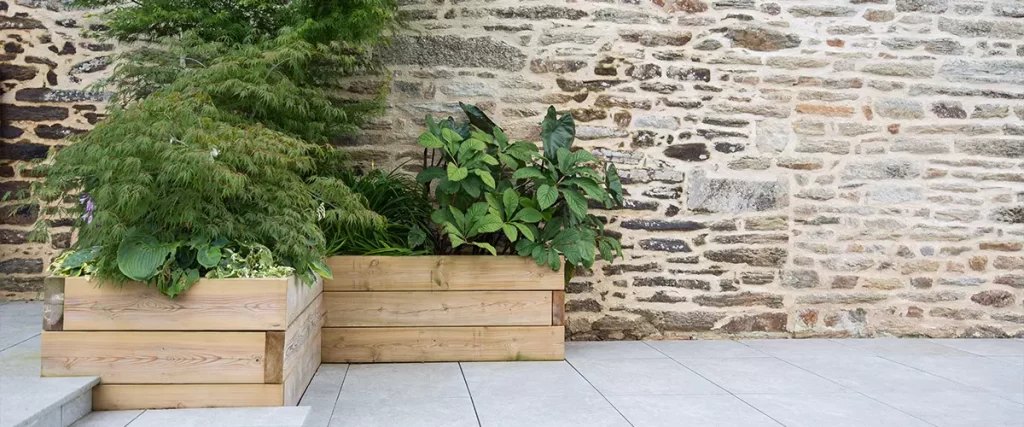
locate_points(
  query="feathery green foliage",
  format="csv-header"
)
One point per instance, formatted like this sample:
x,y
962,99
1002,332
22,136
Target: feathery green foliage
x,y
176,174
213,167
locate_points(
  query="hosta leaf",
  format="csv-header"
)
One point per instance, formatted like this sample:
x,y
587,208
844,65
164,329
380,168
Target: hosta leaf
x,y
456,173
546,196
429,140
527,172
460,218
577,203
208,256
456,240
486,246
511,232
540,254
529,215
508,160
140,256
320,268
485,176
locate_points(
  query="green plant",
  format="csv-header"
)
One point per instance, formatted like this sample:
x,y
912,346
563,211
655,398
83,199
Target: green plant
x,y
498,196
169,183
215,157
74,263
396,197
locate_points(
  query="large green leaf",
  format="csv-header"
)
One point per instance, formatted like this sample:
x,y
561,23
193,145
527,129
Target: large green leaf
x,y
208,256
546,196
527,233
140,255
527,172
478,118
593,190
613,183
529,215
485,176
321,268
557,132
488,224
430,174
510,201
577,203
510,232
486,246
456,173
429,140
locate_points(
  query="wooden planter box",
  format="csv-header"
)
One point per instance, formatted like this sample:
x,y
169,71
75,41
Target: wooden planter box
x,y
223,343
442,308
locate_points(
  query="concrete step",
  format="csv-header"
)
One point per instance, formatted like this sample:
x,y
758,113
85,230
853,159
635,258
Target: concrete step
x,y
288,416
25,398
44,402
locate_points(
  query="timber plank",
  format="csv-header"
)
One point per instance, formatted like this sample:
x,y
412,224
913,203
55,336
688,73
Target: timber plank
x,y
440,273
156,357
117,397
557,308
301,295
452,308
443,344
273,358
255,304
303,367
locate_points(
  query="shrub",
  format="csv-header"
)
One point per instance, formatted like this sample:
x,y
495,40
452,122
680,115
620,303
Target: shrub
x,y
396,197
500,196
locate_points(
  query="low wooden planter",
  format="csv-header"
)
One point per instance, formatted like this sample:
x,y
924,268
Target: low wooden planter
x,y
224,343
442,308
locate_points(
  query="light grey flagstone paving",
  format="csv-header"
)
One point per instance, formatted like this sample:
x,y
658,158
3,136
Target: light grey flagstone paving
x,y
746,383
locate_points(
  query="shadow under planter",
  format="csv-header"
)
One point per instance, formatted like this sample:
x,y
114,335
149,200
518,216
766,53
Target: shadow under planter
x,y
223,343
442,309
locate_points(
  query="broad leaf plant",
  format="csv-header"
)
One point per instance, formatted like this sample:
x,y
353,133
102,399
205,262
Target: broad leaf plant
x,y
496,196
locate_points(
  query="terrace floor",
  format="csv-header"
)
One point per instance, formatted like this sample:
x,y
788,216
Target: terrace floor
x,y
749,383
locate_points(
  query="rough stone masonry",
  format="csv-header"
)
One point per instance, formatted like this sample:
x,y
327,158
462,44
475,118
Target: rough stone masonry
x,y
794,168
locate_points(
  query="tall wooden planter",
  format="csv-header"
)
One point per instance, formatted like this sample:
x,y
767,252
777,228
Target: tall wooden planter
x,y
223,343
442,308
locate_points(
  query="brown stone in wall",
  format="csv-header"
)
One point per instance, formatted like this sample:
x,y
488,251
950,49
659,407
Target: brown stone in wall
x,y
764,322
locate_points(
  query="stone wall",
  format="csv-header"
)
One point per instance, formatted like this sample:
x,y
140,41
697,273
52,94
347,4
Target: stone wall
x,y
48,61
794,168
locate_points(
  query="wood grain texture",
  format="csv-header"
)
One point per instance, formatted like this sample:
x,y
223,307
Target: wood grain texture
x,y
452,308
156,357
303,367
118,397
557,308
440,273
301,295
209,305
445,344
273,358
301,333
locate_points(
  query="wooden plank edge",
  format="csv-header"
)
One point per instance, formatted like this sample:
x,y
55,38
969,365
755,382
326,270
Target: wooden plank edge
x,y
557,308
117,397
550,348
273,358
53,303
